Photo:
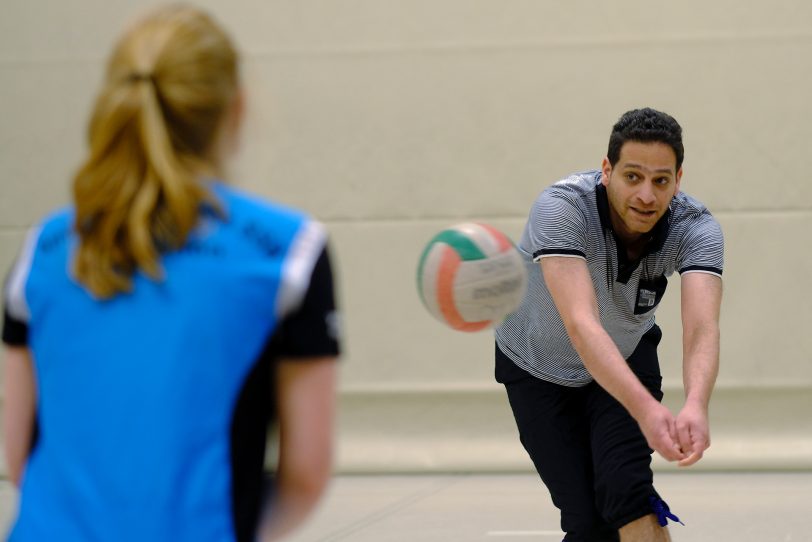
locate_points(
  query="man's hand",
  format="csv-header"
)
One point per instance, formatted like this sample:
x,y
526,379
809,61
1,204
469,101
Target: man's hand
x,y
660,429
693,433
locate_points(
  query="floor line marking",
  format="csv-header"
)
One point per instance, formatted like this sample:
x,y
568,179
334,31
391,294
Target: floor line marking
x,y
525,533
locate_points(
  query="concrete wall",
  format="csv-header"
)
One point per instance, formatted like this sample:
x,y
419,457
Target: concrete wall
x,y
390,120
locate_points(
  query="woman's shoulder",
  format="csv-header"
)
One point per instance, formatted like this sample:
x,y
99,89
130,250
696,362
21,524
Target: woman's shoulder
x,y
52,229
237,201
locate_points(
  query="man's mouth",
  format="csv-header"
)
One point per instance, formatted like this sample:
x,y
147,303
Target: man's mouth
x,y
647,213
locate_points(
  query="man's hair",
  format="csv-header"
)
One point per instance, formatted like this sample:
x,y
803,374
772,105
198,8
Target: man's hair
x,y
646,126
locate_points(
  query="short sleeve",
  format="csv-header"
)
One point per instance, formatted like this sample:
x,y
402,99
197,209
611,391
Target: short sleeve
x,y
15,307
311,330
702,247
557,227
15,332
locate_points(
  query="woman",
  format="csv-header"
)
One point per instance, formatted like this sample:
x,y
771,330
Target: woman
x,y
144,323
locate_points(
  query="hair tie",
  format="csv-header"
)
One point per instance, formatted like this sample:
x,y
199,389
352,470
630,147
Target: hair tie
x,y
138,77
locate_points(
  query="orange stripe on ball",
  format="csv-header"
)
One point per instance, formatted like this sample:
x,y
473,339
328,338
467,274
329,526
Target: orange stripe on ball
x,y
446,272
503,242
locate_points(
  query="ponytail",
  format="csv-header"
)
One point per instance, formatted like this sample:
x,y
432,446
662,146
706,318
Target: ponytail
x,y
151,137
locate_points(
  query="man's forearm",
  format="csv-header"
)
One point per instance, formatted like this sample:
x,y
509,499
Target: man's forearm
x,y
701,304
700,365
607,366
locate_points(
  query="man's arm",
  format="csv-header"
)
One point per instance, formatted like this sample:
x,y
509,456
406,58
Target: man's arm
x,y
571,287
701,302
19,409
306,406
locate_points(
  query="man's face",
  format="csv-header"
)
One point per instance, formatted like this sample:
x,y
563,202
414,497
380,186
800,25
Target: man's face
x,y
640,187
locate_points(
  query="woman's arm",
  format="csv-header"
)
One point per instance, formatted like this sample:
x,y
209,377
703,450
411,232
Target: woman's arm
x,y
306,408
19,409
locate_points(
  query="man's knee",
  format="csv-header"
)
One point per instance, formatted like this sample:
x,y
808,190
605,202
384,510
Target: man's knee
x,y
644,529
621,498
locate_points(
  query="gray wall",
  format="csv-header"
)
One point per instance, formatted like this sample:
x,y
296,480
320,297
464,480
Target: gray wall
x,y
390,120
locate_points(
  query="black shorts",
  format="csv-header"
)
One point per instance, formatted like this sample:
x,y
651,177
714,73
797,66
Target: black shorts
x,y
588,450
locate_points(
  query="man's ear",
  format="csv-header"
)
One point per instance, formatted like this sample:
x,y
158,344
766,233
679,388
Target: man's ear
x,y
606,170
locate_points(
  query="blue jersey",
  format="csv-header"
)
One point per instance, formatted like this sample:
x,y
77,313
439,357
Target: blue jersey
x,y
141,397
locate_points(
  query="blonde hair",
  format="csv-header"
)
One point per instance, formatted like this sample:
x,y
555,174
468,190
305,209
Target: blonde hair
x,y
152,135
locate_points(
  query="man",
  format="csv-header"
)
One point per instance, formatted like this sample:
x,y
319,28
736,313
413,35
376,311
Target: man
x,y
579,359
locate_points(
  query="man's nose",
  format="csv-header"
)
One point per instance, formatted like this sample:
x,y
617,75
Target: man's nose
x,y
646,193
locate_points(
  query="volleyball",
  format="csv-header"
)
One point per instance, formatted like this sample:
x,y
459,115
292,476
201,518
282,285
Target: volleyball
x,y
470,276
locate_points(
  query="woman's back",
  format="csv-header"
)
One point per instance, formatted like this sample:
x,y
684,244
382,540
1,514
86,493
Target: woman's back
x,y
139,394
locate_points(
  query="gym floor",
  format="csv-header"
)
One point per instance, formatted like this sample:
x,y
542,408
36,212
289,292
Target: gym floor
x,y
715,507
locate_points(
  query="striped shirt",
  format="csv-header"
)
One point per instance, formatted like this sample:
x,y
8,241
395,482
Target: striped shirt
x,y
571,219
